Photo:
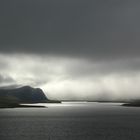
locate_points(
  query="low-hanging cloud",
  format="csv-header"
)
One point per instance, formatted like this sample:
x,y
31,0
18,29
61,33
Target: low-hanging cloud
x,y
5,79
73,49
76,79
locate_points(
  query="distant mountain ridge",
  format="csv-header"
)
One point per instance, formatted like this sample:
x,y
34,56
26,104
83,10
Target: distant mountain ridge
x,y
26,94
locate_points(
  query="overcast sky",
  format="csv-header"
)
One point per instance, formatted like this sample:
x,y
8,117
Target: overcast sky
x,y
72,49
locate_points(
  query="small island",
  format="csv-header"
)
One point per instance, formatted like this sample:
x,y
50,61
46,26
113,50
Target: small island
x,y
133,103
17,97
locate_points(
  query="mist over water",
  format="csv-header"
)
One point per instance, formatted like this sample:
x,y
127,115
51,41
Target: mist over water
x,y
73,50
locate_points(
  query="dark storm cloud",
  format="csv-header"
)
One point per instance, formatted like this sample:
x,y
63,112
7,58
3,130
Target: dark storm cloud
x,y
45,43
89,28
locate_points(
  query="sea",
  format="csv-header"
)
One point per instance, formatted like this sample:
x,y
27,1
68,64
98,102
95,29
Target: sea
x,y
71,121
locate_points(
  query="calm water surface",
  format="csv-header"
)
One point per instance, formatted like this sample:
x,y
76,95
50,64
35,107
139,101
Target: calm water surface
x,y
71,121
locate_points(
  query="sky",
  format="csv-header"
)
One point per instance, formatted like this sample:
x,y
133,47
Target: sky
x,y
72,49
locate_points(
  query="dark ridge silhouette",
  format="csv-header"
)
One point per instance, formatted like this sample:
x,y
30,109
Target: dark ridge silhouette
x,y
133,103
23,95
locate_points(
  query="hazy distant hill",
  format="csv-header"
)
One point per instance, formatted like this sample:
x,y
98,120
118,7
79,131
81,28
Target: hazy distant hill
x,y
135,103
23,95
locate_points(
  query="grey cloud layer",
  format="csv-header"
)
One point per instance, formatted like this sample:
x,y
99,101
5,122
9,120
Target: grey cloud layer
x,y
6,79
71,78
45,43
87,28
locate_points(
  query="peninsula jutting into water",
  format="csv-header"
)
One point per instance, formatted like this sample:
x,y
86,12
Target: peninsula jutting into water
x,y
23,95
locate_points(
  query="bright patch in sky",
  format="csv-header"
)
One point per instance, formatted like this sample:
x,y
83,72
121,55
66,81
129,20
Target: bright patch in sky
x,y
72,78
